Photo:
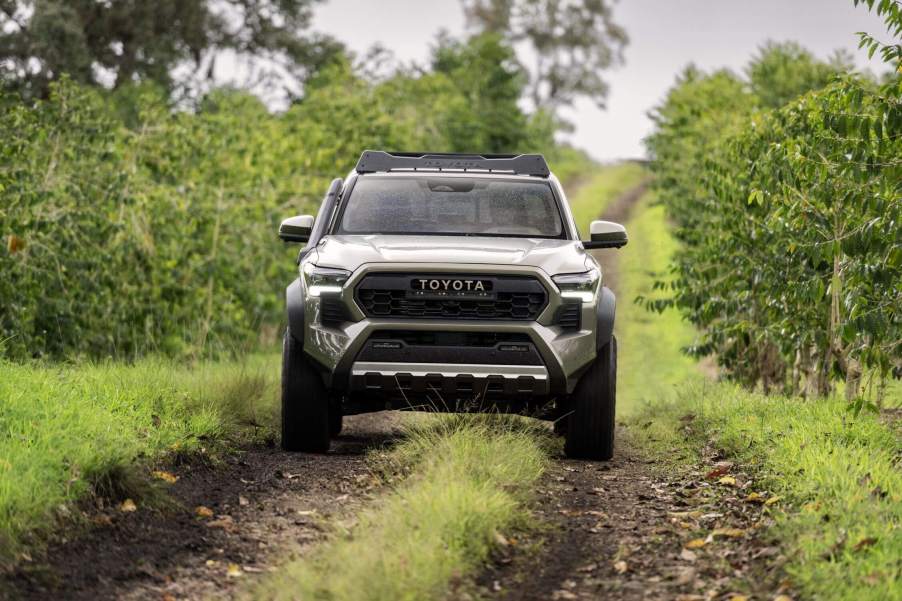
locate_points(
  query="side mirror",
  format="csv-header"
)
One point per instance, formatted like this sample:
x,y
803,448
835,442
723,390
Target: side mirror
x,y
296,229
606,234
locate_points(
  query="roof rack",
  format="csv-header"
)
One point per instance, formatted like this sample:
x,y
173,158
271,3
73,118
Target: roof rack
x,y
372,161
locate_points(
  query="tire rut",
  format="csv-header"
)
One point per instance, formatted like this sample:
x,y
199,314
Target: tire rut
x,y
267,505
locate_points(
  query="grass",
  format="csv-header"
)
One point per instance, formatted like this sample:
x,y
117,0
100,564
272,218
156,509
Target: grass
x,y
70,431
605,185
842,524
467,479
648,343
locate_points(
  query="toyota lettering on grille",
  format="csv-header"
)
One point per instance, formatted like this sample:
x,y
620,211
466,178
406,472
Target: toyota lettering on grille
x,y
451,287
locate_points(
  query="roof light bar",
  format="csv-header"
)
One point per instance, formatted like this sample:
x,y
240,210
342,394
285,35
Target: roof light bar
x,y
373,161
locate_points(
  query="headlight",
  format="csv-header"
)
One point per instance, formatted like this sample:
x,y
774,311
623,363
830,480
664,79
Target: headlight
x,y
324,279
578,285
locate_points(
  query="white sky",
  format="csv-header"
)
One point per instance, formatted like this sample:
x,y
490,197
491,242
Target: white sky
x,y
665,35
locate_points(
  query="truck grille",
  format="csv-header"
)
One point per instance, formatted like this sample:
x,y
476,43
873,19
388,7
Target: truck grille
x,y
391,295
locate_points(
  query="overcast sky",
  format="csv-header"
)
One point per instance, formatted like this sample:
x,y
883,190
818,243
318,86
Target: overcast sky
x,y
665,35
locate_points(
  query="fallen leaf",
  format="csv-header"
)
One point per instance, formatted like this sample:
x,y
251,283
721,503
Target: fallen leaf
x,y
203,512
165,476
212,563
14,244
754,497
772,500
686,514
501,539
242,500
252,570
224,521
782,598
718,471
864,543
738,598
168,597
696,543
588,568
729,532
687,555
686,575
234,571
563,594
727,481
128,506
620,567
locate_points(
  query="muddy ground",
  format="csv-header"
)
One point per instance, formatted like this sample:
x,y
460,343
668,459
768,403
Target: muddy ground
x,y
624,529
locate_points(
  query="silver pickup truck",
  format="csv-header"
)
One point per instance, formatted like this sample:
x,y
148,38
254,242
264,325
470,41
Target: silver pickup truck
x,y
449,282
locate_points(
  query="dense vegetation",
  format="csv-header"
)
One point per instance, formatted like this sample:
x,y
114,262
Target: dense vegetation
x,y
131,227
786,189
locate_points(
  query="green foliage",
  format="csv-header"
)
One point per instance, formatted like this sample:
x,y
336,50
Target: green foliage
x,y
130,227
69,431
789,218
840,517
782,72
891,11
121,41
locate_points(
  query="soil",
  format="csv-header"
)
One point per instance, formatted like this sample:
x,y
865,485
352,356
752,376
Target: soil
x,y
264,505
622,530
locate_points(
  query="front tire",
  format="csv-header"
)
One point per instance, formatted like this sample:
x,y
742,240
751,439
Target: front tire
x,y
305,402
590,427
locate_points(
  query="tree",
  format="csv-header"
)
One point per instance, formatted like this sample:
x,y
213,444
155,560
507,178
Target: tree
x,y
485,72
122,41
574,42
784,71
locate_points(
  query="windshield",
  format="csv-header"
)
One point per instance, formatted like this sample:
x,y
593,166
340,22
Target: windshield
x,y
436,205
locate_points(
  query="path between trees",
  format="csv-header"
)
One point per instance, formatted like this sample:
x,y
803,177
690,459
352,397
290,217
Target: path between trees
x,y
615,530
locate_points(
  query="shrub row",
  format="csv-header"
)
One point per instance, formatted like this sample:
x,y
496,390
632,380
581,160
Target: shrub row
x,y
131,227
789,218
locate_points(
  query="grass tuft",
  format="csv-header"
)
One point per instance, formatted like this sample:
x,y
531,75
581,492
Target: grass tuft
x,y
467,480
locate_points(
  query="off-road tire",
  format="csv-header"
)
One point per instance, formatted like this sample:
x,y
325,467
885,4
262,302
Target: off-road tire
x,y
305,402
590,428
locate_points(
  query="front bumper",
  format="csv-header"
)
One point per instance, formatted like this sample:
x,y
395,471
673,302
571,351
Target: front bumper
x,y
565,353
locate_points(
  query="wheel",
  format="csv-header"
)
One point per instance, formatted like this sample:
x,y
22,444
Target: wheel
x,y
590,428
335,418
305,402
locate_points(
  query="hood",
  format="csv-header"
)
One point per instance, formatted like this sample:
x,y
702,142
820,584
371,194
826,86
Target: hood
x,y
552,256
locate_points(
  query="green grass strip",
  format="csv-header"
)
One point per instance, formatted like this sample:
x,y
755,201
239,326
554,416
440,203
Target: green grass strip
x,y
839,475
602,187
68,431
469,478
648,343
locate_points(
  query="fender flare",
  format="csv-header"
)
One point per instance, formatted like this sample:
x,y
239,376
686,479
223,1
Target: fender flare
x,y
294,303
605,311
